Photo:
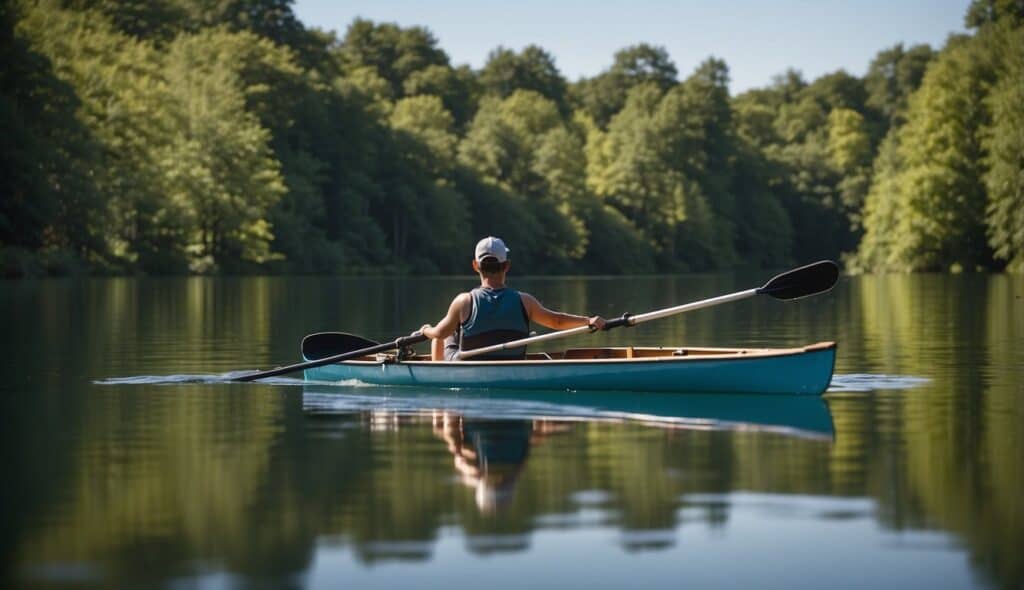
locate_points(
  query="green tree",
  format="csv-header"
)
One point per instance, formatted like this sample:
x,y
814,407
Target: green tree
x,y
984,12
160,21
635,165
390,62
456,88
522,145
823,205
849,146
764,231
602,96
220,168
531,69
706,114
390,51
625,166
1003,142
49,202
119,81
848,143
880,215
942,207
432,212
500,141
893,75
427,121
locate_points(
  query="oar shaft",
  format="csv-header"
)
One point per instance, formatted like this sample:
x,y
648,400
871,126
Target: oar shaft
x,y
466,354
631,321
664,313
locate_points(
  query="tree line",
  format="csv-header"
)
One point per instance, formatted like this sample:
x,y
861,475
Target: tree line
x,y
180,136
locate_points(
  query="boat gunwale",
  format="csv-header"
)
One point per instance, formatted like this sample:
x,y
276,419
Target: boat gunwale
x,y
725,354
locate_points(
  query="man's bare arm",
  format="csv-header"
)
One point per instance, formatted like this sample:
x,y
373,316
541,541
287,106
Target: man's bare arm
x,y
557,320
446,327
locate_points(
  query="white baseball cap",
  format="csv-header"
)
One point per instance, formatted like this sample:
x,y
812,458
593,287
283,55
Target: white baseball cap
x,y
491,246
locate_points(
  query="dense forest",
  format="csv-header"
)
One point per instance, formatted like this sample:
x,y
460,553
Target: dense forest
x,y
190,136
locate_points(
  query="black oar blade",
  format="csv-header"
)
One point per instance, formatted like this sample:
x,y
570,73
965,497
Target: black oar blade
x,y
325,344
414,338
812,279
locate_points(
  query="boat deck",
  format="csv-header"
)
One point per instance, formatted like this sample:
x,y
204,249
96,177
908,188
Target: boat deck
x,y
621,353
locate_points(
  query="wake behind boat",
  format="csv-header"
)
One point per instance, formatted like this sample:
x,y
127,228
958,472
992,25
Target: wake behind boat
x,y
805,371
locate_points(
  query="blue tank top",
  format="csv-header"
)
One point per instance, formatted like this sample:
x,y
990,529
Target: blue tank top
x,y
496,316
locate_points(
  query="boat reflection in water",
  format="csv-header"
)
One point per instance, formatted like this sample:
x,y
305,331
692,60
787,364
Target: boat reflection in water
x,y
787,414
490,434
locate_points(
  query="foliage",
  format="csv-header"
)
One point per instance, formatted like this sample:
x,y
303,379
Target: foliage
x,y
894,74
1003,142
532,69
790,125
49,202
984,12
218,165
940,197
521,145
881,213
605,94
184,136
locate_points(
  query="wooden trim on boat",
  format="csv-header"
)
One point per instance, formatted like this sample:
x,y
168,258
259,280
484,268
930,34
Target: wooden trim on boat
x,y
609,355
820,346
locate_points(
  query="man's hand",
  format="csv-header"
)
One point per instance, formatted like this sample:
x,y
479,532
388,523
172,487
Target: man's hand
x,y
596,323
423,330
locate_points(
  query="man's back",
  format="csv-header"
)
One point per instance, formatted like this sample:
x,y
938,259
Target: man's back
x,y
495,316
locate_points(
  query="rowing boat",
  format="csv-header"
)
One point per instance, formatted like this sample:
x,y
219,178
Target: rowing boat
x,y
805,370
337,356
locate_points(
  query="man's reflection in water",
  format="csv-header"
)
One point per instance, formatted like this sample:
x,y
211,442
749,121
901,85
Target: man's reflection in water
x,y
491,454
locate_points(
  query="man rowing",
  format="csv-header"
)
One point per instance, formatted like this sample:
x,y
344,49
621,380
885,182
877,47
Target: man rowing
x,y
494,313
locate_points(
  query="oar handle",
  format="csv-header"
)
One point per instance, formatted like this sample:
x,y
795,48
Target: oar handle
x,y
623,321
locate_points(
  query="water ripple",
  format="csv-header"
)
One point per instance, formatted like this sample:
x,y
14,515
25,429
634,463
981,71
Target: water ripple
x,y
200,379
854,382
863,382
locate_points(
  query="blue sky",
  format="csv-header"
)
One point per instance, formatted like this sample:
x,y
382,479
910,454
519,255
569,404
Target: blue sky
x,y
758,39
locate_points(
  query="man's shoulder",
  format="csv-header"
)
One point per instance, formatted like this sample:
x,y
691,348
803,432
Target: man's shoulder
x,y
527,299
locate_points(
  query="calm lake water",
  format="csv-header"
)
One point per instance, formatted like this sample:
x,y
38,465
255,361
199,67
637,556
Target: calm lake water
x,y
909,473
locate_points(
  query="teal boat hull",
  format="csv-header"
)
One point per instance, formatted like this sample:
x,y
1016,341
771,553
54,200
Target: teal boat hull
x,y
795,371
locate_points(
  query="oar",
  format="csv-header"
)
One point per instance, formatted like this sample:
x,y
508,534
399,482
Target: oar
x,y
398,343
808,280
323,344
